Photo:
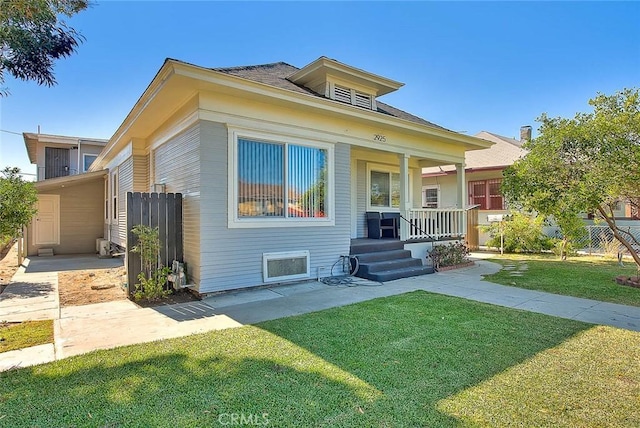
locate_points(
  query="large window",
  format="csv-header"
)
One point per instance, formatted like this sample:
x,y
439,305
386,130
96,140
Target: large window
x,y
281,180
486,193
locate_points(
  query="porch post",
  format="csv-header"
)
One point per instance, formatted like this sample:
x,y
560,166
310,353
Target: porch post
x,y
462,195
405,204
462,185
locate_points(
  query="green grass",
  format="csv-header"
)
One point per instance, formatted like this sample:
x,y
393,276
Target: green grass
x,y
406,360
25,334
584,276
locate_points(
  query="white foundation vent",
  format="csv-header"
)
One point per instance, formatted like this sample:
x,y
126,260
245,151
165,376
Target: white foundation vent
x,y
285,266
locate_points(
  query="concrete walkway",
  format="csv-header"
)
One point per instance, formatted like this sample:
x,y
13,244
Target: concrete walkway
x,y
80,329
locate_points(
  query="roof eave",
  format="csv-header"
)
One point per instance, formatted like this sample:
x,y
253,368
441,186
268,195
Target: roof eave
x,y
241,83
69,180
172,68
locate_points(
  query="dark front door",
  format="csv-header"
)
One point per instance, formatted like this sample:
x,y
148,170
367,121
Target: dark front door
x,y
56,162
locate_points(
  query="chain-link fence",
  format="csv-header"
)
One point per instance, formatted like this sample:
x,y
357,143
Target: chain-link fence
x,y
600,239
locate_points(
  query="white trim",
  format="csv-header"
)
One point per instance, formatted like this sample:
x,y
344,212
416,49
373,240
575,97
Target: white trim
x,y
266,257
235,120
233,221
388,169
123,155
107,197
114,187
176,128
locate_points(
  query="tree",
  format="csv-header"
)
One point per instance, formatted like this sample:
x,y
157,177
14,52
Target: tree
x,y
17,202
32,36
583,165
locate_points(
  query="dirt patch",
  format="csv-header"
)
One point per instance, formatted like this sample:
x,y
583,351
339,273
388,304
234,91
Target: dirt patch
x,y
8,264
83,287
180,296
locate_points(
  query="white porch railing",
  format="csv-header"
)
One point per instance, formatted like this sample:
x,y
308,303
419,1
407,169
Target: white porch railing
x,y
437,223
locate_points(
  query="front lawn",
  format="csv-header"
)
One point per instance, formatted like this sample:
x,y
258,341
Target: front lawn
x,y
25,334
410,360
583,276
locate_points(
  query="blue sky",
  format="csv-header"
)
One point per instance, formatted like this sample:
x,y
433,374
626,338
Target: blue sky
x,y
468,66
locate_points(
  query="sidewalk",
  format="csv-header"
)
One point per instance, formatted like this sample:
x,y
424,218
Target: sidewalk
x,y
86,328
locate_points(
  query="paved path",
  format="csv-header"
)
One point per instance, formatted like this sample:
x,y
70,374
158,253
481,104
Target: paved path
x,y
33,295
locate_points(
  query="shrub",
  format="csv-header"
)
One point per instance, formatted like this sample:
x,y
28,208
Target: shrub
x,y
522,234
564,249
449,255
153,277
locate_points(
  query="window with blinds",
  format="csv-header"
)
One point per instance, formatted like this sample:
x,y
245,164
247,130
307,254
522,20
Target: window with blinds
x,y
281,180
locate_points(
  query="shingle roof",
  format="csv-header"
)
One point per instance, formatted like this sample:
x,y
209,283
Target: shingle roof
x,y
276,74
503,153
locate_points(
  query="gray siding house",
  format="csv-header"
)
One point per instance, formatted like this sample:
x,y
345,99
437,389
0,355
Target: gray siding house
x,y
277,165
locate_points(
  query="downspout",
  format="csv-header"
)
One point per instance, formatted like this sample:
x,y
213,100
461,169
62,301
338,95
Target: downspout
x,y
79,157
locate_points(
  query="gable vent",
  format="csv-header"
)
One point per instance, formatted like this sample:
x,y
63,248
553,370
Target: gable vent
x,y
342,94
285,266
363,100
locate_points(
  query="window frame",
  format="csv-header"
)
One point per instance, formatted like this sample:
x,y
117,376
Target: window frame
x,y
107,197
114,197
234,221
487,194
390,170
424,199
84,161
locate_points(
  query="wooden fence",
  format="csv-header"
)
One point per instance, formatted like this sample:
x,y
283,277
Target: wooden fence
x,y
161,210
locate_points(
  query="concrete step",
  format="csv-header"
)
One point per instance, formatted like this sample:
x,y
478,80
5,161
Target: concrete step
x,y
376,245
388,265
383,255
390,275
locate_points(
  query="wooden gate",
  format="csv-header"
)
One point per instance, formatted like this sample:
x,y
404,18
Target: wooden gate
x,y
161,210
473,240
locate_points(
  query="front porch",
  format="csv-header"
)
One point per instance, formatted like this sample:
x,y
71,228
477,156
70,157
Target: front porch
x,y
420,224
400,249
389,200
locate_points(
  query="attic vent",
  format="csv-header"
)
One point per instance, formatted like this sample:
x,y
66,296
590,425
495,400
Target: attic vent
x,y
285,266
363,100
342,94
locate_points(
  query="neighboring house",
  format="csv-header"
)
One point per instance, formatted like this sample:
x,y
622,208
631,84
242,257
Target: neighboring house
x,y
274,163
61,156
483,170
70,201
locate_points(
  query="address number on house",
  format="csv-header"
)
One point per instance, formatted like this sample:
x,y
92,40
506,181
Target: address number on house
x,y
380,138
